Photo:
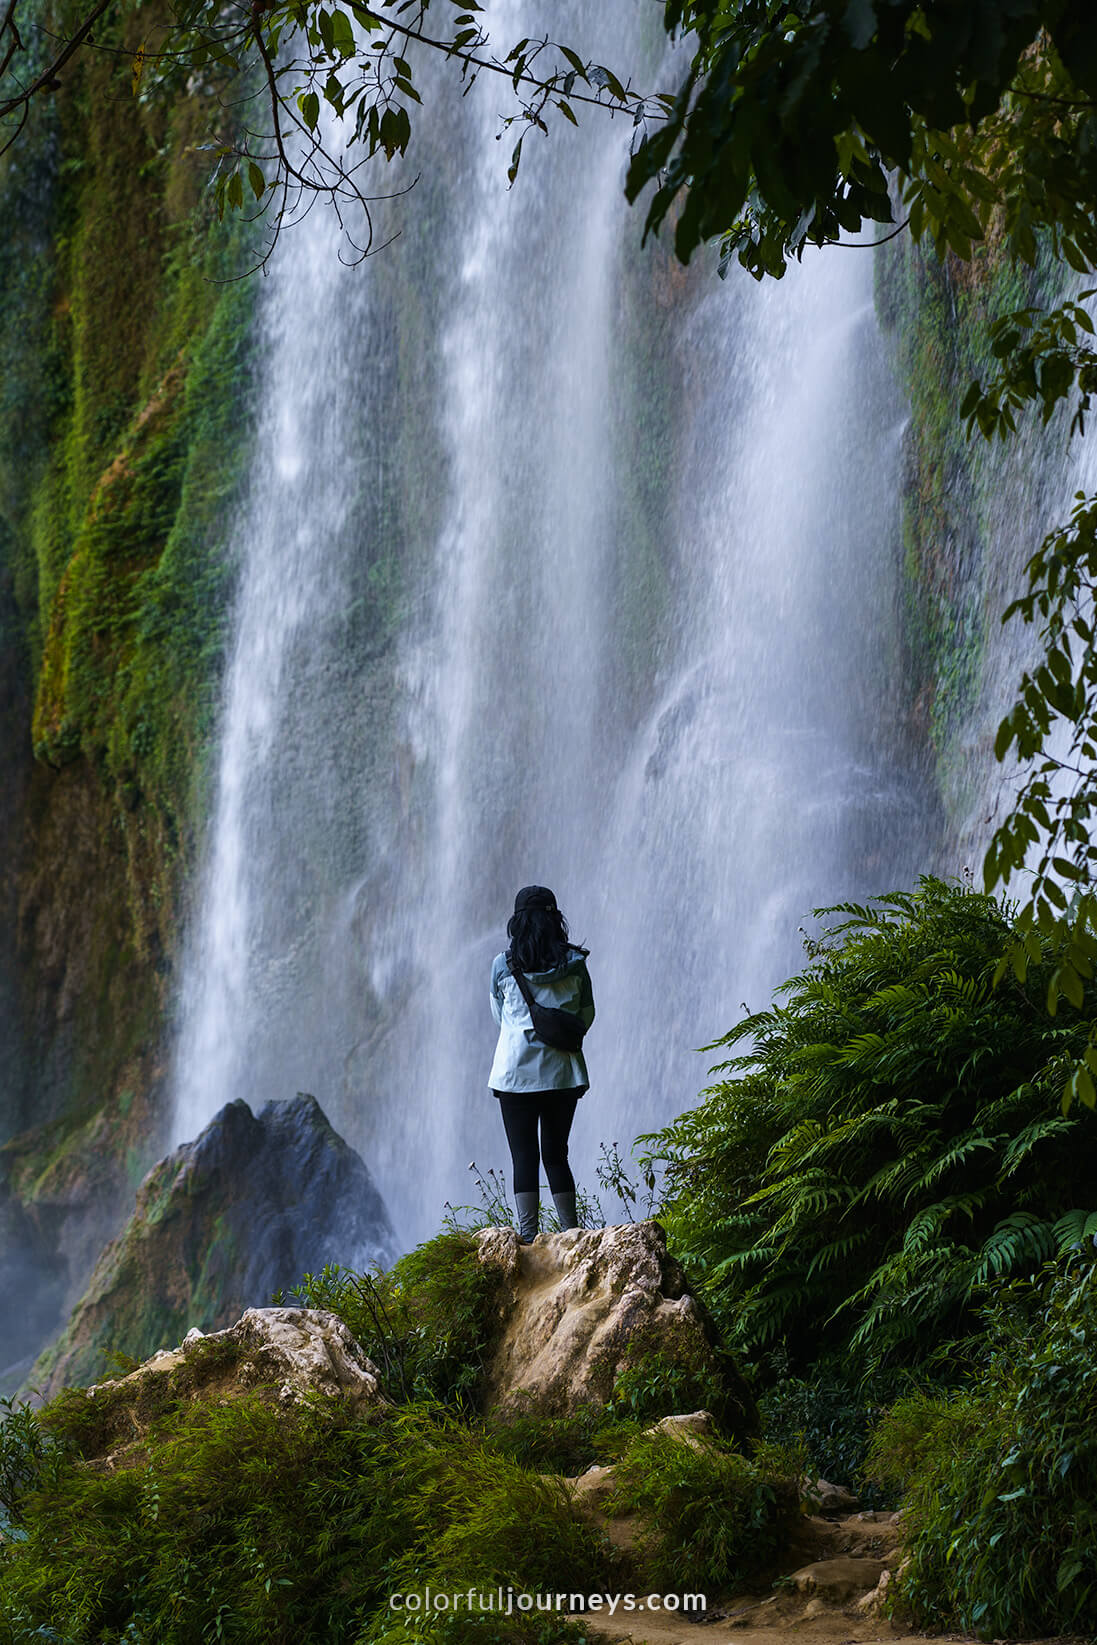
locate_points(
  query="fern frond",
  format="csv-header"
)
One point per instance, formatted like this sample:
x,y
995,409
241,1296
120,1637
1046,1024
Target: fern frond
x,y
1017,1152
1021,1238
1075,1228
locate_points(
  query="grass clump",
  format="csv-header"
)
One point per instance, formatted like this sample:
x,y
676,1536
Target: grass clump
x,y
287,1526
707,1510
429,1323
1000,1479
658,1385
560,1444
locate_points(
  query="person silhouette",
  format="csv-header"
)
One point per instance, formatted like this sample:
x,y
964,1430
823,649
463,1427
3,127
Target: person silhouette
x,y
537,1082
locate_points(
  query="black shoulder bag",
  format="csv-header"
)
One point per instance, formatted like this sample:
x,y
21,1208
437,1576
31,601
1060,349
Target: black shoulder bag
x,y
563,1030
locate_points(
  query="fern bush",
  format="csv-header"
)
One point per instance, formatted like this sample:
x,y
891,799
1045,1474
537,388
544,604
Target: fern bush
x,y
1000,1510
887,1139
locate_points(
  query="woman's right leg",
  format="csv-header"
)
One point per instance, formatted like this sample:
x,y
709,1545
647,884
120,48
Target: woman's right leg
x,y
520,1123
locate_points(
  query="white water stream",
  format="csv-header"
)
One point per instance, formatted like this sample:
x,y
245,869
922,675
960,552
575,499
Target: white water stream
x,y
558,566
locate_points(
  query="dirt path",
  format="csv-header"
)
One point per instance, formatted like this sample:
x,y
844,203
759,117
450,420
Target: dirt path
x,y
829,1592
834,1628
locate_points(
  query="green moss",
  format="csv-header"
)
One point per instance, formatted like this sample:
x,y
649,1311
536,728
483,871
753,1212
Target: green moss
x,y
937,317
125,388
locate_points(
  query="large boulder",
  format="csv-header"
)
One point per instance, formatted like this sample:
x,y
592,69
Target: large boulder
x,y
585,1305
284,1355
220,1225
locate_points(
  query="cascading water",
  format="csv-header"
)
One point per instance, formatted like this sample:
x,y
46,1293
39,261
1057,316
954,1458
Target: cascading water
x,y
560,566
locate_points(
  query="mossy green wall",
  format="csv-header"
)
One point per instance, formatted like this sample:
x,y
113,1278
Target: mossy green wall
x,y
970,512
125,350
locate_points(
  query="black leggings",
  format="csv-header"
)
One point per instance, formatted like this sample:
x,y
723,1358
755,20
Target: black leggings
x,y
521,1112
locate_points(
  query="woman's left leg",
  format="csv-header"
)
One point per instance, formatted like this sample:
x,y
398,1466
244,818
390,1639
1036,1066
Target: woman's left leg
x,y
520,1123
557,1110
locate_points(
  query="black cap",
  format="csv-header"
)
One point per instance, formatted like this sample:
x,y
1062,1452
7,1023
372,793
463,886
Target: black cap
x,y
534,896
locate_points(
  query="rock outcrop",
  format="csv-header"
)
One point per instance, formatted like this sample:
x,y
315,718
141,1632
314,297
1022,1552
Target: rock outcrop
x,y
584,1305
220,1225
284,1354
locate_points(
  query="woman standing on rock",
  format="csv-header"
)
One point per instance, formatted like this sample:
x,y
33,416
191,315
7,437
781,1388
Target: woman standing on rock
x,y
542,1000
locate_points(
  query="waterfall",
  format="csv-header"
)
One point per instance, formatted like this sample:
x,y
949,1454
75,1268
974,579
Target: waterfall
x,y
560,565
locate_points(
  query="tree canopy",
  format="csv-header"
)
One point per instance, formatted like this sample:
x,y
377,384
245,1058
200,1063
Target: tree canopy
x,y
800,121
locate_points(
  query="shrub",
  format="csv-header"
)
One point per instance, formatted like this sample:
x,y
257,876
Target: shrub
x,y
557,1445
830,1416
27,1456
712,1518
1000,1511
657,1385
245,1522
429,1324
891,1141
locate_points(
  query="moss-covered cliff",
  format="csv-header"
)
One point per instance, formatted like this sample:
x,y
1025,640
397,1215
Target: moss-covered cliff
x,y
972,513
124,374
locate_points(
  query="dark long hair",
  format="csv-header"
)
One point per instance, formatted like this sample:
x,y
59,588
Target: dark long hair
x,y
539,939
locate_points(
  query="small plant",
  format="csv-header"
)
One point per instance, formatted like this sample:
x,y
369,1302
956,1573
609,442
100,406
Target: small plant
x,y
612,1173
655,1386
493,1211
706,1509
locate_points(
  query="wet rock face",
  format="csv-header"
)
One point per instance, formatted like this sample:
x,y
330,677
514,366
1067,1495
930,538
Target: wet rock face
x,y
221,1224
584,1305
64,1192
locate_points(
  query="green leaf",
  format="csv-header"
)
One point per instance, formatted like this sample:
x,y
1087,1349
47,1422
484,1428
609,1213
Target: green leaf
x,y
342,34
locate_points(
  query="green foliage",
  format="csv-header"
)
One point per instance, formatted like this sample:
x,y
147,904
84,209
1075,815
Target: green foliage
x,y
890,1142
1000,1511
1052,730
656,1385
558,1445
27,1453
429,1323
1045,356
706,1510
793,117
829,1414
255,1522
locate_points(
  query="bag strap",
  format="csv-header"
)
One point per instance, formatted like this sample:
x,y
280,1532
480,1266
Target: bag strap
x,y
519,977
